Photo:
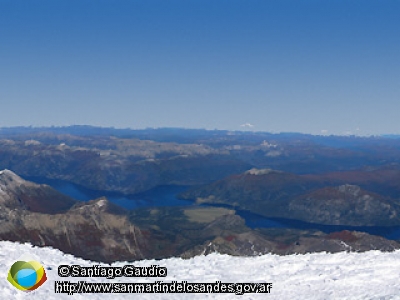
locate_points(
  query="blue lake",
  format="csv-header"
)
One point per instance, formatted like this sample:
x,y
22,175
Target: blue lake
x,y
159,196
166,196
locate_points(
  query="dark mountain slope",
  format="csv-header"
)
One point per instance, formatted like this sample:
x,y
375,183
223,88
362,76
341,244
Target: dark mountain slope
x,y
18,193
344,205
311,198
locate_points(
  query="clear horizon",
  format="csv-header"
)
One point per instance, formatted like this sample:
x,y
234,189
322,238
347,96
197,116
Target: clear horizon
x,y
345,134
310,66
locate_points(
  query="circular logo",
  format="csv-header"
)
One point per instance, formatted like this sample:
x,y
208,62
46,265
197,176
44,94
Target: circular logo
x,y
26,276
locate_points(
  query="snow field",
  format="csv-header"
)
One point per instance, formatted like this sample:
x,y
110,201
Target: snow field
x,y
368,275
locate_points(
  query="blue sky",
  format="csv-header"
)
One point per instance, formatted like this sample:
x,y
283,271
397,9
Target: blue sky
x,y
281,66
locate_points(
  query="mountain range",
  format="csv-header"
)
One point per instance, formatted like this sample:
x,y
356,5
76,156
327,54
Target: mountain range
x,y
352,182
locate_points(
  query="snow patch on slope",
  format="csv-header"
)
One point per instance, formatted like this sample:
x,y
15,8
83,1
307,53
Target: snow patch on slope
x,y
11,179
368,275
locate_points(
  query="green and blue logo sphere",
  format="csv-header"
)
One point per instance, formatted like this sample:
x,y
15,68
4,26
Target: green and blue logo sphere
x,y
26,276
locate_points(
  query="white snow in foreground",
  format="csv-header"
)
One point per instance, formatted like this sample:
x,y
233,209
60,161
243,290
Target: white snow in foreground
x,y
369,275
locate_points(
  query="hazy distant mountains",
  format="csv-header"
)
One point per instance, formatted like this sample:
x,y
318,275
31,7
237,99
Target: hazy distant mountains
x,y
114,164
131,161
